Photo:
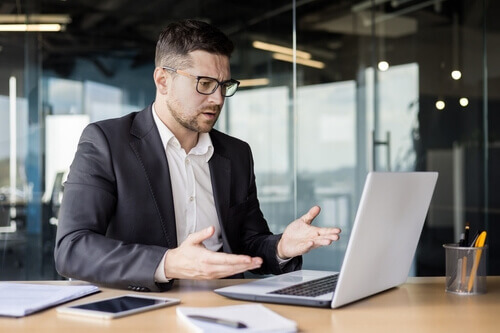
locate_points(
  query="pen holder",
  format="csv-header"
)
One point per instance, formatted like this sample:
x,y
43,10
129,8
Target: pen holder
x,y
465,269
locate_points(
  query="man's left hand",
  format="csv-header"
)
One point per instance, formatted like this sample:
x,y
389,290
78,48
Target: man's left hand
x,y
301,237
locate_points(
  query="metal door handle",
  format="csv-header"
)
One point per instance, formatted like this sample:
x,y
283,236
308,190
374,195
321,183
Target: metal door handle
x,y
386,143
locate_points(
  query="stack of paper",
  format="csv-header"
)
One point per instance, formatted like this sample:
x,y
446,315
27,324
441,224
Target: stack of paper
x,y
21,299
248,317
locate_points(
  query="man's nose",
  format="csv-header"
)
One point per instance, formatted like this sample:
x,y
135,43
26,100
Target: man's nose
x,y
217,97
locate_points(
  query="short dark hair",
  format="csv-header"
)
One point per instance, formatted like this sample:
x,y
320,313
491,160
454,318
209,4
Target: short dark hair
x,y
180,38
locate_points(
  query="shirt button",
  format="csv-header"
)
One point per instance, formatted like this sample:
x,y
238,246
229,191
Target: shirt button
x,y
191,198
187,161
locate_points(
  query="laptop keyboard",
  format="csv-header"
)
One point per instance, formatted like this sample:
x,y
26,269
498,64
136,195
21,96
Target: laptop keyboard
x,y
311,288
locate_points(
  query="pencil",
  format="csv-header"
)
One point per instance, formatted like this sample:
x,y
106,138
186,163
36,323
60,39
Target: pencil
x,y
479,243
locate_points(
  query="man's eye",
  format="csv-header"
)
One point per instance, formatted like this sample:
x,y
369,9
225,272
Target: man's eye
x,y
205,83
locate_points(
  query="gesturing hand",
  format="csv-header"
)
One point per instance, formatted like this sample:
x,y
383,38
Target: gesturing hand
x,y
300,236
191,260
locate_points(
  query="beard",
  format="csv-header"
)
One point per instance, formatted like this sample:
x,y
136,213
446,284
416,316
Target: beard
x,y
195,122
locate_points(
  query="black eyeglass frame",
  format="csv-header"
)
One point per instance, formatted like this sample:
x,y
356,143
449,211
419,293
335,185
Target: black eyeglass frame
x,y
198,78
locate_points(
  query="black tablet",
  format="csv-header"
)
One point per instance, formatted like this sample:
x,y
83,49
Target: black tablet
x,y
120,306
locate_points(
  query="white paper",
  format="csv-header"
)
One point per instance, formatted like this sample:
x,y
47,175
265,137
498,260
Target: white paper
x,y
21,299
257,317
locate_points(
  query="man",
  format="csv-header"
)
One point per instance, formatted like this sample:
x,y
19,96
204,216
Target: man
x,y
159,195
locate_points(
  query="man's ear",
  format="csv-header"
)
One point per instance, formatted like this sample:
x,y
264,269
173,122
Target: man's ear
x,y
161,76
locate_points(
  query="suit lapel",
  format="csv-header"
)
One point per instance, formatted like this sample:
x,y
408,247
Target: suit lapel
x,y
220,173
146,144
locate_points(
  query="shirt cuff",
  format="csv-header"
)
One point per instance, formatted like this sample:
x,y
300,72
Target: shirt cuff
x,y
160,271
282,262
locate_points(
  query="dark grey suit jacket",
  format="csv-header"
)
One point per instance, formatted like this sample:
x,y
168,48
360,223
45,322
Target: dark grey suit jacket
x,y
117,216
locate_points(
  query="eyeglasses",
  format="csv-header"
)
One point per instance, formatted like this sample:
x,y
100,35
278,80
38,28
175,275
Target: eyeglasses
x,y
206,85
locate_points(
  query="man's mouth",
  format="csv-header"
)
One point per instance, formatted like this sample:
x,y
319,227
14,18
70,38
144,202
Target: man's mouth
x,y
211,112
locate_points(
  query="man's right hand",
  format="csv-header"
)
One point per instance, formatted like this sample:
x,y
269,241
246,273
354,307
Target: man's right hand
x,y
191,260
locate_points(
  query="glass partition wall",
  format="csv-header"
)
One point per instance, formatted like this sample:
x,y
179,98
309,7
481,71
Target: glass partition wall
x,y
330,91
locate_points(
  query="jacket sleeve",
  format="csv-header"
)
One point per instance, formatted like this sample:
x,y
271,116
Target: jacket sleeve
x,y
83,250
255,234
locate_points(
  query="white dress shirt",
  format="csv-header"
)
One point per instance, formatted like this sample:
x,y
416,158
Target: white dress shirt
x,y
193,197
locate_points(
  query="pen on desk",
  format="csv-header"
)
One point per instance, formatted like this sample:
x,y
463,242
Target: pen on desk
x,y
225,322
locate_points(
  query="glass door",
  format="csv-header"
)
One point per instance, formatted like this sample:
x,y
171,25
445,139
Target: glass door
x,y
424,90
15,188
402,89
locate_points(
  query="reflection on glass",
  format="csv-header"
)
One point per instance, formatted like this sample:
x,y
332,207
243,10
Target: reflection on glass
x,y
260,117
398,89
64,96
102,101
21,190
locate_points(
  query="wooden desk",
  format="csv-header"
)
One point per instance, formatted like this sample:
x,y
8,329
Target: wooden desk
x,y
420,305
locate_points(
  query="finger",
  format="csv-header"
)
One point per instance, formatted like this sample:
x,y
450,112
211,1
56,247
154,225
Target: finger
x,y
330,236
220,271
235,269
314,245
311,214
217,273
328,231
322,242
200,236
218,258
334,237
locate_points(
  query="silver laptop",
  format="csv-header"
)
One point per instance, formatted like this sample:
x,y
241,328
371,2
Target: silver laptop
x,y
379,254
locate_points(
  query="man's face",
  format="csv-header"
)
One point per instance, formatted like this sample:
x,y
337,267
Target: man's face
x,y
190,109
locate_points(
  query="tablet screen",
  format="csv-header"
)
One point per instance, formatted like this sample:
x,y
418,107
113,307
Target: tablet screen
x,y
120,304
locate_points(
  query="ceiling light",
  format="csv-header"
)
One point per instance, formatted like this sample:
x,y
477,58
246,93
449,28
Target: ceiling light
x,y
35,18
456,75
280,49
440,105
35,22
31,27
305,62
254,82
367,5
383,66
464,101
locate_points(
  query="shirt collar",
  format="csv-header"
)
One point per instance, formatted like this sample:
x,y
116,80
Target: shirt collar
x,y
203,146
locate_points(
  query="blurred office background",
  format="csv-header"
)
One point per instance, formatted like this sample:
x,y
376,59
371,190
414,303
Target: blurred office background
x,y
331,89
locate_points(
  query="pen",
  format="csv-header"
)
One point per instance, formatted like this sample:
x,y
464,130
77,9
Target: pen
x,y
479,243
466,236
474,239
225,322
463,274
461,242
